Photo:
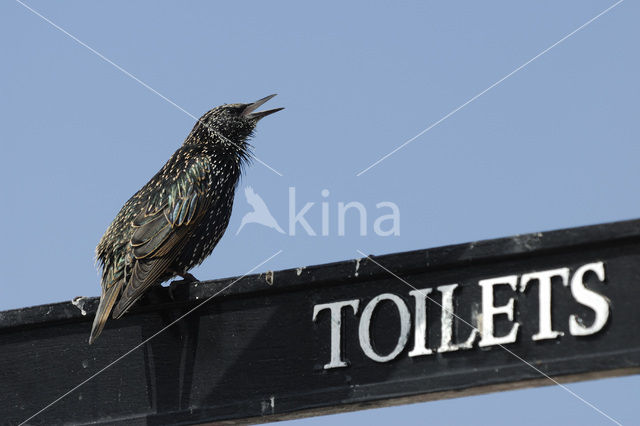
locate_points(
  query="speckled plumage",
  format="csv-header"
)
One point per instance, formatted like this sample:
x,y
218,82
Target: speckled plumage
x,y
175,221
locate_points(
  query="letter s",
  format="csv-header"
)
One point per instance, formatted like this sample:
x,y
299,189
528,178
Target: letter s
x,y
588,298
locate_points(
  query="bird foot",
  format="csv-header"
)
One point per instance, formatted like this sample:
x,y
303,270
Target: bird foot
x,y
187,278
178,285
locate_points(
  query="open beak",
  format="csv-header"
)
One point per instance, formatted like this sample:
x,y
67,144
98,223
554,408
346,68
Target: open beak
x,y
249,109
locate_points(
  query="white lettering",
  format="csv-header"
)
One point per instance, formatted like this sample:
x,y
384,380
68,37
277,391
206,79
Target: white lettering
x,y
446,322
365,324
589,298
420,324
544,299
336,328
489,311
451,339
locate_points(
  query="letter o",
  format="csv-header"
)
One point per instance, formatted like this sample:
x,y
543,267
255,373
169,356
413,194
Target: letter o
x,y
365,323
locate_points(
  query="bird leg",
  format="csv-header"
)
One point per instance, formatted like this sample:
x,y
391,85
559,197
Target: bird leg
x,y
187,278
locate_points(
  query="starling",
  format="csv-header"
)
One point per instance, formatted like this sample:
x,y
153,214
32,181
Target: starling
x,y
174,222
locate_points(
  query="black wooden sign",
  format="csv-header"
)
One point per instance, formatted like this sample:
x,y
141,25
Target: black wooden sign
x,y
383,330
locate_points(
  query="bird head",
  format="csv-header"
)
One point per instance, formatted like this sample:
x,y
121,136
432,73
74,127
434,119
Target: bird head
x,y
234,122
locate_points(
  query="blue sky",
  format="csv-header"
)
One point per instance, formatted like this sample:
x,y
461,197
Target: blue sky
x,y
553,146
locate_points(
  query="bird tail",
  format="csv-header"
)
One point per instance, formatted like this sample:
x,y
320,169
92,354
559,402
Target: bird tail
x,y
107,301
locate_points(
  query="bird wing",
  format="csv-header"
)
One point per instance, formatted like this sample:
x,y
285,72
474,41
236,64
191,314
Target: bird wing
x,y
162,229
